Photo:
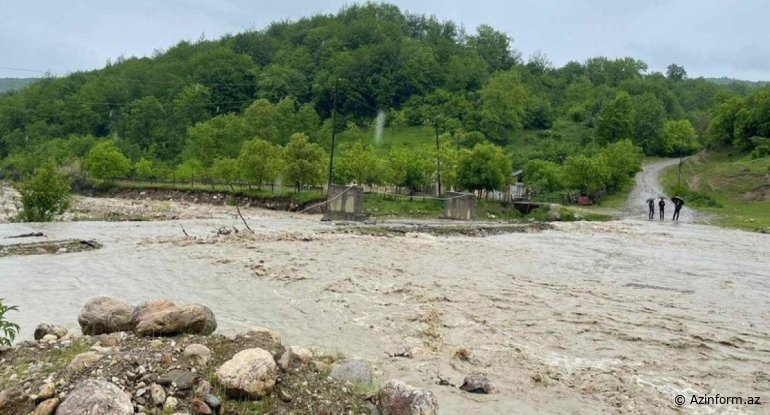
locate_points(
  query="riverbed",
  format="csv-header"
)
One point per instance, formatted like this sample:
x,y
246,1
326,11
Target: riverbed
x,y
587,317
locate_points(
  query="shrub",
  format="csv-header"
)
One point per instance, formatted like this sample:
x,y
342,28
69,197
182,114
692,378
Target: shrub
x,y
45,195
8,330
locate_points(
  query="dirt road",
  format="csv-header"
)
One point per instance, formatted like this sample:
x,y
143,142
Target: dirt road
x,y
613,317
648,186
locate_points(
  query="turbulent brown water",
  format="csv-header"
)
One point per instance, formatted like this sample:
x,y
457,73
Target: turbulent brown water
x,y
614,317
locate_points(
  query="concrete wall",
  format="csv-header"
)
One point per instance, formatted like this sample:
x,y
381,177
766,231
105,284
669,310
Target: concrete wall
x,y
346,203
459,206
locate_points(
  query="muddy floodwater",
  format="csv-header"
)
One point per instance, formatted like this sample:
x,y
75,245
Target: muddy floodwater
x,y
612,317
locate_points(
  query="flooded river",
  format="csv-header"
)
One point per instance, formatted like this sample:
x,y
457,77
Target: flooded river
x,y
613,317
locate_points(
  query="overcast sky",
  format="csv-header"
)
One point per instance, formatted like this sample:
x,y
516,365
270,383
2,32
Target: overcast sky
x,y
708,37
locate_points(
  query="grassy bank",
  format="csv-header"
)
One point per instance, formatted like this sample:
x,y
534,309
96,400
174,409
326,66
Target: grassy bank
x,y
734,190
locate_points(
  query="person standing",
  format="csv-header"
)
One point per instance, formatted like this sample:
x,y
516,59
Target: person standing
x,y
651,205
678,203
662,207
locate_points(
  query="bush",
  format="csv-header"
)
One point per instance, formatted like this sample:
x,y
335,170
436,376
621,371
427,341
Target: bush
x,y
694,198
762,150
8,330
45,195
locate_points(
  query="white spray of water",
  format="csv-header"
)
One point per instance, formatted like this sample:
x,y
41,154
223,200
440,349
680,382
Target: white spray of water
x,y
379,127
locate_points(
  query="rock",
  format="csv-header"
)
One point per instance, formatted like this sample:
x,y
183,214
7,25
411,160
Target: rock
x,y
84,361
49,338
171,403
199,407
285,396
190,319
261,337
214,403
250,373
47,407
105,315
112,340
198,354
353,371
44,329
96,397
157,394
11,398
203,388
179,378
144,310
478,384
295,356
46,391
398,398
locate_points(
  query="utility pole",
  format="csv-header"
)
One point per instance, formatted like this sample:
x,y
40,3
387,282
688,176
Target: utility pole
x,y
334,131
681,146
438,158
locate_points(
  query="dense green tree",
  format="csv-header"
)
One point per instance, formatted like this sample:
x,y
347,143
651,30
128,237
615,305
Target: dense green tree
x,y
589,175
680,138
106,162
622,159
221,136
615,121
144,169
486,167
260,161
675,72
305,162
648,119
225,171
504,99
494,47
45,195
543,175
357,163
189,169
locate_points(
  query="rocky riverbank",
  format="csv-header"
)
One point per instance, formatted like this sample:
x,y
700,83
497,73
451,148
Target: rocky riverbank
x,y
161,358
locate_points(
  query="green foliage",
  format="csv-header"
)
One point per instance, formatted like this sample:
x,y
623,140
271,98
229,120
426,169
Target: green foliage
x,y
145,169
485,167
9,329
358,163
106,162
189,169
623,160
504,100
615,120
45,195
305,162
589,175
260,162
225,170
679,138
648,119
543,175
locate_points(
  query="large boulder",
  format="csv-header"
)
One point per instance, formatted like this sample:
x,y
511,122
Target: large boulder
x,y
353,371
398,398
105,315
251,373
142,311
165,320
96,397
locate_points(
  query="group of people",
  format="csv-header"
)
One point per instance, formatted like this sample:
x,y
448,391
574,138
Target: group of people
x,y
678,203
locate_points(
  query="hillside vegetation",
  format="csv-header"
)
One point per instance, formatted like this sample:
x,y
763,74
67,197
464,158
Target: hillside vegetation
x,y
733,190
14,84
258,107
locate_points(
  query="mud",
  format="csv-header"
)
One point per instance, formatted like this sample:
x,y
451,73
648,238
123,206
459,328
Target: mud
x,y
583,318
48,247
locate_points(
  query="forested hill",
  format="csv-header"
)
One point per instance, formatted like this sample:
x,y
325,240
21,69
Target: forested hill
x,y
202,100
13,84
